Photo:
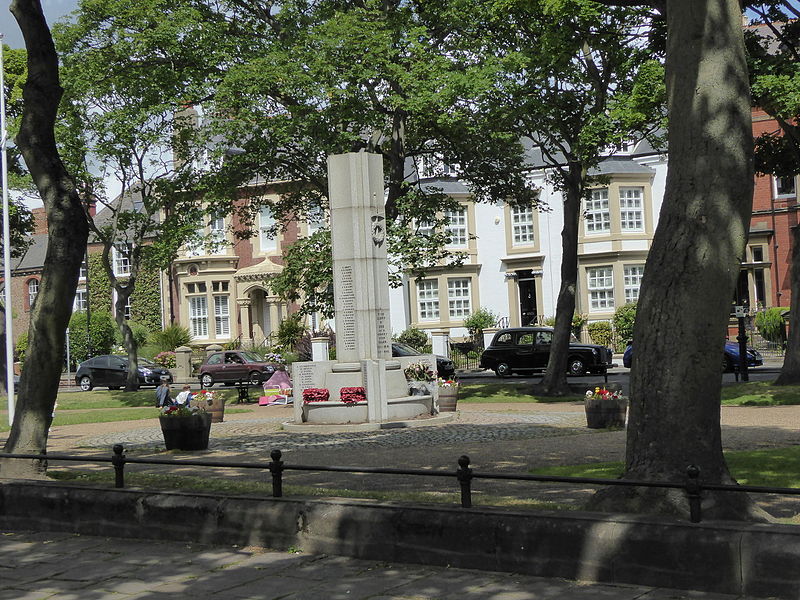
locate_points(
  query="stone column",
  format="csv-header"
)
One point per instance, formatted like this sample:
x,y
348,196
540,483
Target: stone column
x,y
319,348
441,342
183,364
360,269
275,317
244,319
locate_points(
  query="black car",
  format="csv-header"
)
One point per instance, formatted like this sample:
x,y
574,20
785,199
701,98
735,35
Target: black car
x,y
111,371
527,349
444,366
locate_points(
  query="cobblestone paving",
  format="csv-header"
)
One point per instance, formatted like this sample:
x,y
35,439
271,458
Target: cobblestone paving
x,y
253,435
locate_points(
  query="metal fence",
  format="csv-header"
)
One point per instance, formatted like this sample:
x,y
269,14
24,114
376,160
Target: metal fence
x,y
464,475
465,355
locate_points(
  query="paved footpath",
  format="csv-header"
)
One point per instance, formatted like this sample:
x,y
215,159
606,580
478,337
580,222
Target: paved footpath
x,y
54,566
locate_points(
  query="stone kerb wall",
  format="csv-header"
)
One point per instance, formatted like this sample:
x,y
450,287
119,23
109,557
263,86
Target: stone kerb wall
x,y
724,557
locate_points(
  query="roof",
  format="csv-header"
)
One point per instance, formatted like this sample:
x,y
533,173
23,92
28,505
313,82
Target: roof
x,y
33,259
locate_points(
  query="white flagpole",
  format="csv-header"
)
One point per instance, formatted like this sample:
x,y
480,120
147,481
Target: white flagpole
x,y
6,244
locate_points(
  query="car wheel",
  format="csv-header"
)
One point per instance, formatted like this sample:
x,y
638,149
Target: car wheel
x,y
86,383
727,364
255,378
206,380
502,370
113,387
576,366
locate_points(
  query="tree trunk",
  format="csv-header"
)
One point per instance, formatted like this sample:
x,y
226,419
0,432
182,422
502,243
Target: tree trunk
x,y
554,382
790,371
123,293
67,235
692,268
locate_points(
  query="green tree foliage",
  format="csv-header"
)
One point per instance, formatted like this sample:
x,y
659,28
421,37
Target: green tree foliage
x,y
416,338
101,333
623,320
774,61
573,79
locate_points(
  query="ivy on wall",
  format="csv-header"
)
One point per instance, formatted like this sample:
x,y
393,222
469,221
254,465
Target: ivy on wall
x,y
145,300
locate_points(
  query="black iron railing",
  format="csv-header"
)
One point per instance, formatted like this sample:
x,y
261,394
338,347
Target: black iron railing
x,y
464,475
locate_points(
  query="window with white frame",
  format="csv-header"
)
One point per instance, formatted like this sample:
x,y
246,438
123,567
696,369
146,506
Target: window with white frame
x,y
198,316
598,217
521,225
33,291
81,301
459,298
630,208
785,186
266,223
84,271
121,257
601,288
428,299
457,227
633,281
222,321
316,219
126,311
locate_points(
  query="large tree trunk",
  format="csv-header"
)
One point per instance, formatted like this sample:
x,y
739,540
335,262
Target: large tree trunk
x,y
67,235
692,267
790,371
554,382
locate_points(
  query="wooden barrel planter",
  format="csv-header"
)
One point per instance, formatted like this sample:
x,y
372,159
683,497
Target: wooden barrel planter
x,y
217,410
603,413
186,433
448,399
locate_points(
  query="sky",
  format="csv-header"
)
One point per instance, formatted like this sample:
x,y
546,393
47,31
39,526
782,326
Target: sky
x,y
53,10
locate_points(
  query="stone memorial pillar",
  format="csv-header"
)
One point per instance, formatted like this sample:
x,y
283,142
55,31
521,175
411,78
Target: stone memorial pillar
x,y
183,364
360,268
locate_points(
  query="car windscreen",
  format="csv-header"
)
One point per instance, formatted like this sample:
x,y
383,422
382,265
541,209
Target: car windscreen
x,y
251,357
403,350
144,362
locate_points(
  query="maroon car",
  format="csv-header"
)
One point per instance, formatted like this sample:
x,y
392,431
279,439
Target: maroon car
x,y
234,366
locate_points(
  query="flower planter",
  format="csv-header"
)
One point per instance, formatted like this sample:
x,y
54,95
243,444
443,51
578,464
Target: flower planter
x,y
448,399
605,412
212,402
186,433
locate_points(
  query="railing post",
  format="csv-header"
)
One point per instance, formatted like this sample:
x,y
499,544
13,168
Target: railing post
x,y
276,468
118,460
464,475
693,492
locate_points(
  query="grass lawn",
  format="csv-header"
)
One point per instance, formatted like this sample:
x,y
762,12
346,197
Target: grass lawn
x,y
760,393
777,467
505,392
105,406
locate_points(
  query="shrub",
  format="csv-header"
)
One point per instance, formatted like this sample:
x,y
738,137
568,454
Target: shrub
x,y
21,347
578,321
416,338
477,322
139,331
166,359
623,320
771,324
600,332
290,333
170,338
102,330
